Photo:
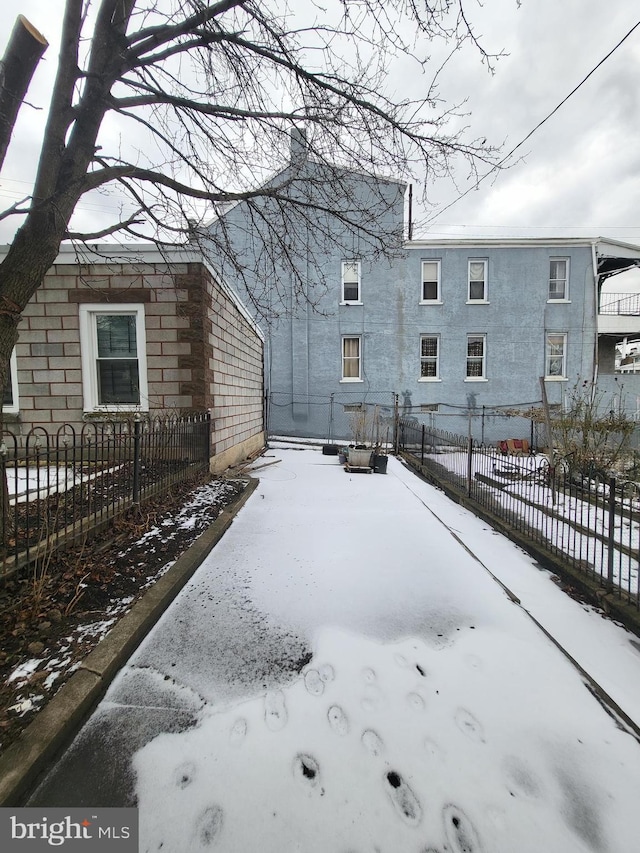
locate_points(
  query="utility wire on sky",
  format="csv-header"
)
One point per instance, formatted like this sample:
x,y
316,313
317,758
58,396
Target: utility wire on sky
x,y
536,128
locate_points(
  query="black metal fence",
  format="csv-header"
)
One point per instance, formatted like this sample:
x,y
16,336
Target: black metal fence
x,y
60,486
592,524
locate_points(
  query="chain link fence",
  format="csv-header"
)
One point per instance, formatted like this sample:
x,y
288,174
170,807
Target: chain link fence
x,y
343,417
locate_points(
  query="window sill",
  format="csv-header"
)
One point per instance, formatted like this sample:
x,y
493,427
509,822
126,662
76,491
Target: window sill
x,y
350,303
110,412
555,378
431,302
476,379
429,379
478,302
351,380
560,301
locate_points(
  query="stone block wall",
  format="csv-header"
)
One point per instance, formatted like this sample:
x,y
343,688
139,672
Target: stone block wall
x,y
202,349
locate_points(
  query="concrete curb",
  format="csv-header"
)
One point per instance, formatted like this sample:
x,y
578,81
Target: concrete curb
x,y
58,722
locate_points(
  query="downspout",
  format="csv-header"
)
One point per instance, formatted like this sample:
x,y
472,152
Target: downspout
x,y
596,301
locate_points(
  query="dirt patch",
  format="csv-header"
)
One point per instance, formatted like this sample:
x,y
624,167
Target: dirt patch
x,y
52,616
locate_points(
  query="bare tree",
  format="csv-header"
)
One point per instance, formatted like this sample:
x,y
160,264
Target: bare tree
x,y
205,95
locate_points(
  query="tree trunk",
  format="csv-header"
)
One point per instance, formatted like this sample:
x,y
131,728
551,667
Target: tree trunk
x,y
23,52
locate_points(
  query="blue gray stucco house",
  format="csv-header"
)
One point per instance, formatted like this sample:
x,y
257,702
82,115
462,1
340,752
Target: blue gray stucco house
x,y
354,313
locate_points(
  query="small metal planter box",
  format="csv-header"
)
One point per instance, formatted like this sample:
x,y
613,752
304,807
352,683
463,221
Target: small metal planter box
x,y
359,460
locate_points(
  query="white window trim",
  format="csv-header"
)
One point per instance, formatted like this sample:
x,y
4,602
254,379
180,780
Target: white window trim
x,y
438,300
351,379
88,353
485,299
548,377
482,378
357,301
565,298
14,408
435,378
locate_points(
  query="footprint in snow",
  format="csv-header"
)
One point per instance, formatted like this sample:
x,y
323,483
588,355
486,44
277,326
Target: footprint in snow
x,y
238,731
338,720
208,827
275,711
415,701
313,682
405,801
184,775
372,742
326,672
460,832
368,675
400,660
469,726
306,770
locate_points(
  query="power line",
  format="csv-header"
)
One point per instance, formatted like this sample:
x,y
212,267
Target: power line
x,y
540,123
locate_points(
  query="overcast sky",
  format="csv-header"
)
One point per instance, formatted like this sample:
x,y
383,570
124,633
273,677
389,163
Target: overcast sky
x,y
578,174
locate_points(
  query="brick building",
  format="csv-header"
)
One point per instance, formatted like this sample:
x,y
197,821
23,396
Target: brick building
x,y
129,330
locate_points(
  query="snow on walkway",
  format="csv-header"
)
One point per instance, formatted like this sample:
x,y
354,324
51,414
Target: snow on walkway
x,y
434,715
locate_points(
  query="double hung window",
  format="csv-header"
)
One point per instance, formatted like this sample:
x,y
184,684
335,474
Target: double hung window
x,y
478,280
10,404
351,281
113,357
558,279
429,357
351,359
430,281
556,356
476,356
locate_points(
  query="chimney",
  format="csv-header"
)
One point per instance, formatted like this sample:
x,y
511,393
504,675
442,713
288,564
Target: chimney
x,y
299,149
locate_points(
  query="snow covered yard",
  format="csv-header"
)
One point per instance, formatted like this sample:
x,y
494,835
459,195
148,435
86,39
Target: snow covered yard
x,y
432,713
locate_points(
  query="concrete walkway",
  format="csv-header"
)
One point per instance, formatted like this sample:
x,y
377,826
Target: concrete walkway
x,y
344,672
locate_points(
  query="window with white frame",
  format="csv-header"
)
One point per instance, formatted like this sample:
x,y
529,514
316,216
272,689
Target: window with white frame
x,y
476,356
559,279
556,355
351,281
351,359
113,346
10,402
429,357
478,279
430,281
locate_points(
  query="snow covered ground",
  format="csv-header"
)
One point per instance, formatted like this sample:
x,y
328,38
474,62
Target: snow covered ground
x,y
434,716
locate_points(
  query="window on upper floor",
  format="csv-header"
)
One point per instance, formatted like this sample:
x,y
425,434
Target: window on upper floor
x,y
351,359
429,356
476,356
10,402
556,356
113,346
559,279
478,268
351,281
430,281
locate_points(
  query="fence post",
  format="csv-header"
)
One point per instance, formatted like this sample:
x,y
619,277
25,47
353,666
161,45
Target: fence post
x,y
611,531
422,447
396,423
469,464
136,460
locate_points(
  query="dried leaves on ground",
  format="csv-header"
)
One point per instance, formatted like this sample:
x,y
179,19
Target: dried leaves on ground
x,y
52,616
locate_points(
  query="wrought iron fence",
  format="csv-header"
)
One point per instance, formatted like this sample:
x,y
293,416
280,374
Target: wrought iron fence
x,y
59,486
592,524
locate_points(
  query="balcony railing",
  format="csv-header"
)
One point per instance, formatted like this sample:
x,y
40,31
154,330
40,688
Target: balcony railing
x,y
622,304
